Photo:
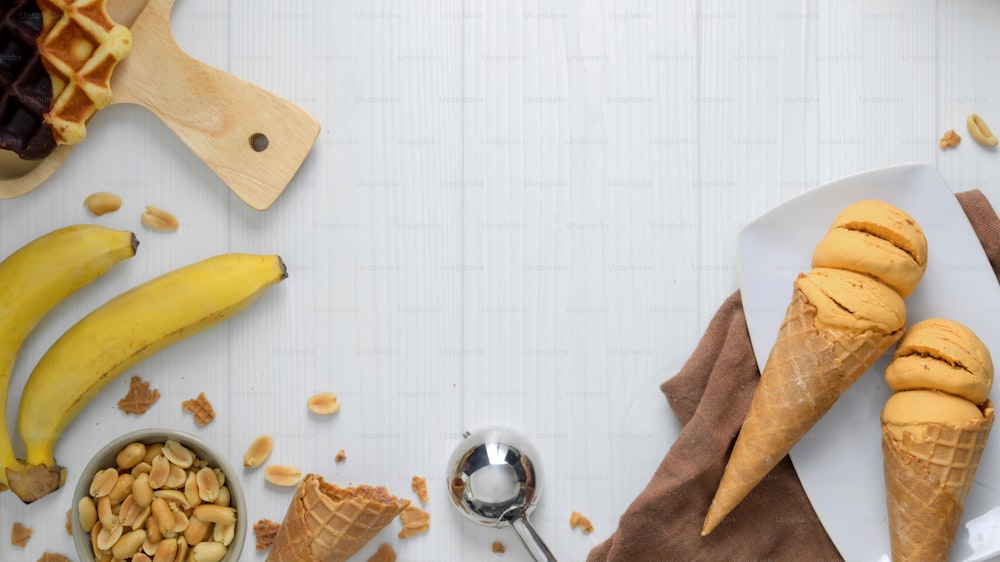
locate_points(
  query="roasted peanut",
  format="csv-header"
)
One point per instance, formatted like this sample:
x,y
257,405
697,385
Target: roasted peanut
x,y
158,219
208,552
86,511
166,551
108,536
103,482
160,472
980,131
323,404
122,488
178,454
224,496
259,450
142,492
208,485
191,491
215,513
197,530
128,544
176,478
102,202
130,455
282,475
163,516
104,513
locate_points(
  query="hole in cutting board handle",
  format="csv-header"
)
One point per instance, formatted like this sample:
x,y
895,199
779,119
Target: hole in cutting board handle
x,y
258,142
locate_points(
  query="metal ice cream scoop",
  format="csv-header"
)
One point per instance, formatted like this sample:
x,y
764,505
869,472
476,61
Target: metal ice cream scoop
x,y
494,480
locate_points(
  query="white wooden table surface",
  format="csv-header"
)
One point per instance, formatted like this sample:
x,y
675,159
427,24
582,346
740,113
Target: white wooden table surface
x,y
517,213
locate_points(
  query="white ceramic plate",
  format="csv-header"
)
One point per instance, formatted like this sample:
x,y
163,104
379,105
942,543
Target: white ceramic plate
x,y
840,460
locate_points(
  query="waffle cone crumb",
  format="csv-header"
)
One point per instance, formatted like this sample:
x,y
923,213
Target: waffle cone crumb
x,y
201,408
19,535
385,553
139,397
265,531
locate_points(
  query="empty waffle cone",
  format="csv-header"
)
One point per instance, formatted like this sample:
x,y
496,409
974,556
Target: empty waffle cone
x,y
807,371
926,483
326,523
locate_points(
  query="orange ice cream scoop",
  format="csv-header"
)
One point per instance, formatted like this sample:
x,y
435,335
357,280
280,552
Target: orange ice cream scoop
x,y
877,239
944,355
852,301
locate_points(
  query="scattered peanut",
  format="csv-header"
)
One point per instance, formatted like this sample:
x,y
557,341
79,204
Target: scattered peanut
x,y
979,130
498,547
158,219
340,457
151,507
102,203
259,450
949,139
323,404
282,475
576,519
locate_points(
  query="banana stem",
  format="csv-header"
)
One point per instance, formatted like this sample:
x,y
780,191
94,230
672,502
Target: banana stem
x,y
34,482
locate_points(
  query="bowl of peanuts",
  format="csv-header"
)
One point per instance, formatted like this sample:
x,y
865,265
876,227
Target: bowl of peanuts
x,y
158,494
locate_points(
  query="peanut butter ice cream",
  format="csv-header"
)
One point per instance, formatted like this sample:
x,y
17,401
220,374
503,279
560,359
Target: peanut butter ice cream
x,y
940,354
852,301
910,411
878,239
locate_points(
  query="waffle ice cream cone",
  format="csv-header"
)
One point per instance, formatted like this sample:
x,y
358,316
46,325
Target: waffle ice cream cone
x,y
326,523
807,371
926,483
844,314
934,429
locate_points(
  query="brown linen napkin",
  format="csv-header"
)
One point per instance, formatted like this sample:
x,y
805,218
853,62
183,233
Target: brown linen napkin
x,y
710,396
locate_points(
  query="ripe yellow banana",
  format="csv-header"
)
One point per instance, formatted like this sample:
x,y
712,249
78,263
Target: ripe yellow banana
x,y
116,336
36,278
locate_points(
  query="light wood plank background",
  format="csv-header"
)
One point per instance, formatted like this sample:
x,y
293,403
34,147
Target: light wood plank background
x,y
517,213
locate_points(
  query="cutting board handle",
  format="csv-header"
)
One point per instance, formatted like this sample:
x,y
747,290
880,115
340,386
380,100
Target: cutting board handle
x,y
254,140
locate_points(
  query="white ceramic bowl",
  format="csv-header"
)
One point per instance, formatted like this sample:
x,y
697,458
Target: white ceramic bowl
x,y
105,458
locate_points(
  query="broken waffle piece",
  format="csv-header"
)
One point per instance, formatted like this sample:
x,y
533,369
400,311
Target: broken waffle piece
x,y
201,408
19,535
265,531
79,46
139,397
415,521
950,139
576,519
341,457
327,522
419,487
385,553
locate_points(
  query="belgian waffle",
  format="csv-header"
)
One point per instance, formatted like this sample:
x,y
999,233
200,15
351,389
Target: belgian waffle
x,y
80,46
25,85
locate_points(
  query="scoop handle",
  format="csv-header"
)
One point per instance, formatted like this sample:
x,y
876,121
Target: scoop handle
x,y
254,140
534,543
